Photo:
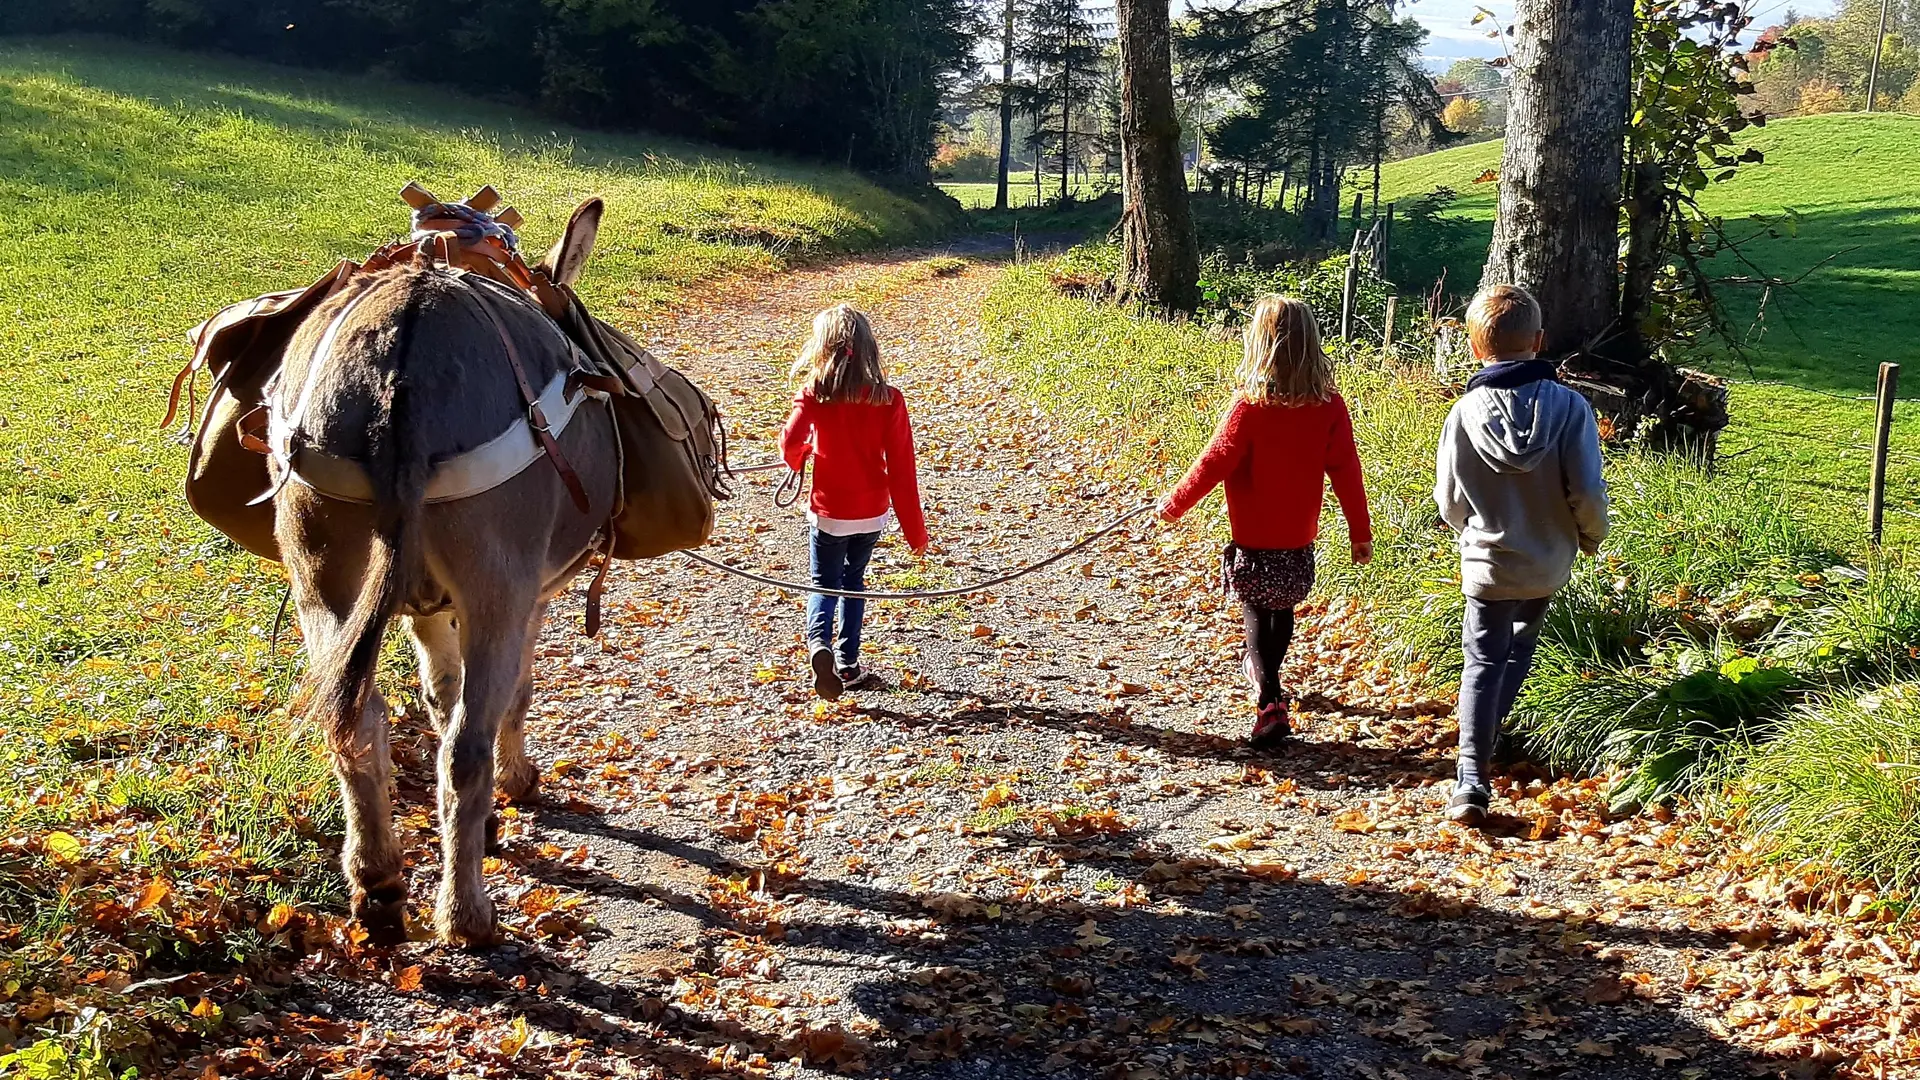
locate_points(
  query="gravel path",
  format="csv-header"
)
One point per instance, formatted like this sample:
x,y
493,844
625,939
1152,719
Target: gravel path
x,y
1038,847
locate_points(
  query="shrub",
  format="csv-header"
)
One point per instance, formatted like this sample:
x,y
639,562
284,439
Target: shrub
x,y
1667,725
1860,624
1840,785
970,164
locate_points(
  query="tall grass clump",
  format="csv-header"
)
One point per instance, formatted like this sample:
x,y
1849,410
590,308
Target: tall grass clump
x,y
1840,786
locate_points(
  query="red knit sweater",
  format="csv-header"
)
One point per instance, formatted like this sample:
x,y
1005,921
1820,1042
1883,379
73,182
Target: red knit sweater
x,y
862,460
1272,458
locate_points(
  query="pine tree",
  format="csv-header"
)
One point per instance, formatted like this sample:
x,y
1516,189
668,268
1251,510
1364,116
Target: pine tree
x,y
1060,49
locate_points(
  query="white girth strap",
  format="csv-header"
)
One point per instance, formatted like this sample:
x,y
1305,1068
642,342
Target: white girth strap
x,y
480,469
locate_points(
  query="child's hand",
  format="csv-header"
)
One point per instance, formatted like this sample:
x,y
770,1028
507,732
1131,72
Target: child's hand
x,y
1363,553
1163,510
919,552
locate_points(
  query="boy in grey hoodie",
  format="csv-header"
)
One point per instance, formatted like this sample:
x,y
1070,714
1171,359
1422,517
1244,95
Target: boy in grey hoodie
x,y
1518,478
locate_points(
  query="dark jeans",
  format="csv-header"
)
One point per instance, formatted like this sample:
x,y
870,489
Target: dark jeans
x,y
1498,637
1269,632
838,562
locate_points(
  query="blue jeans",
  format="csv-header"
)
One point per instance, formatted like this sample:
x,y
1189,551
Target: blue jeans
x,y
1498,637
838,562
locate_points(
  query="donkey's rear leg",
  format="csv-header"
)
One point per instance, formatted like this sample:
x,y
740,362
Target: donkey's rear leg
x,y
363,765
518,777
371,856
493,646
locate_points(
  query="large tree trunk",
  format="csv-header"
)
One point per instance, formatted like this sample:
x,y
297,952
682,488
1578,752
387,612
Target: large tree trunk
x,y
1006,109
1160,259
1557,233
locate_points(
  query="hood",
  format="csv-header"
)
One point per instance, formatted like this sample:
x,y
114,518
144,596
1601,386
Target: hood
x,y
1513,428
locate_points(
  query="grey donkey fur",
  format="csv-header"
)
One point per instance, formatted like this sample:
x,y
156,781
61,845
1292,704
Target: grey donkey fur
x,y
417,374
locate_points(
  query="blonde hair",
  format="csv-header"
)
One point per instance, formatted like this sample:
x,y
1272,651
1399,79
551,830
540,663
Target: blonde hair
x,y
1503,320
841,359
1284,363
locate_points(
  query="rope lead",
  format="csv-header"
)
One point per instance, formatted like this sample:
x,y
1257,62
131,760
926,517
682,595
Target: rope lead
x,y
928,594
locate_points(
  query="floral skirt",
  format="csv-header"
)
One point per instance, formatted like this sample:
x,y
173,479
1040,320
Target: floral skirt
x,y
1268,577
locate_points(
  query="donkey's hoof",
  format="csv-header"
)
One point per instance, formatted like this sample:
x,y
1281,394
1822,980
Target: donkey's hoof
x,y
519,783
382,912
467,923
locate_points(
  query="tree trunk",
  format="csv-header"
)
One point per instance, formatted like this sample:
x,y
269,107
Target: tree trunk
x,y
1006,109
1557,233
1160,259
1066,122
1646,211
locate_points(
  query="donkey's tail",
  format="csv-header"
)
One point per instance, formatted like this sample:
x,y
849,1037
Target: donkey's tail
x,y
344,668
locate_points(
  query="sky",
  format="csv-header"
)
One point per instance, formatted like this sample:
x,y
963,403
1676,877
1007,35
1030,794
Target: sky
x,y
1454,37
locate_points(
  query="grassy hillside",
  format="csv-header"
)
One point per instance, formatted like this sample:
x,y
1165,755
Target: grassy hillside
x,y
141,190
1854,179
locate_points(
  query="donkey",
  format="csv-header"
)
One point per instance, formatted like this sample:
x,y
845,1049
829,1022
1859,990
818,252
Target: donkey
x,y
395,375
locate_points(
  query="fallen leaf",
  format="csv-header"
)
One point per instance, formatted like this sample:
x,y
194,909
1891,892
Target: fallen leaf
x,y
63,847
1354,821
1089,935
277,919
516,1037
1662,1055
151,896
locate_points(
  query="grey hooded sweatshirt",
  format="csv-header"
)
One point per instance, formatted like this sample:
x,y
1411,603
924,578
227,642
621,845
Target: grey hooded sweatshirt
x,y
1518,478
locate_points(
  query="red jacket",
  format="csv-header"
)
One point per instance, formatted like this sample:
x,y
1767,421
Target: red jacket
x,y
1272,458
862,460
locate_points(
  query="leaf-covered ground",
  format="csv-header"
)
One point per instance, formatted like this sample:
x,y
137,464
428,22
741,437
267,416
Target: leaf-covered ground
x,y
1039,848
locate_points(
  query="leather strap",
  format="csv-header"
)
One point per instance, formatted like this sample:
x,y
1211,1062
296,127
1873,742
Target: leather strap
x,y
599,586
184,380
252,430
536,417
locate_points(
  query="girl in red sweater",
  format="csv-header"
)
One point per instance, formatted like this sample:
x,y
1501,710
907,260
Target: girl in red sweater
x,y
1286,429
856,429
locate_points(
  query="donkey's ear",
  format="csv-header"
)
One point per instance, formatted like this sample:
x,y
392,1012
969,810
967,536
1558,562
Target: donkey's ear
x,y
565,259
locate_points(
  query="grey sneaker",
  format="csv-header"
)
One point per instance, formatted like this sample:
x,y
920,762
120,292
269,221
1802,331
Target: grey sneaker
x,y
1469,805
855,677
825,682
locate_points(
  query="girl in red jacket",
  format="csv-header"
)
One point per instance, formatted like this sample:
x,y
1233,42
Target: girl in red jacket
x,y
856,428
1286,429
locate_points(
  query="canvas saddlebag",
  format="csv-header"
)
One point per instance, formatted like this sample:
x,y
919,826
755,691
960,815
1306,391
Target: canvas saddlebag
x,y
673,447
241,347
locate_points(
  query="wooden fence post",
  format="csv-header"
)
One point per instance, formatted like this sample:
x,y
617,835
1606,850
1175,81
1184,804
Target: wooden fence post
x,y
1386,339
1348,287
1882,431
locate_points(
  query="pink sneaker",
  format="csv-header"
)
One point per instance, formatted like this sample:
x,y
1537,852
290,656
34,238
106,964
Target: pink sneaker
x,y
1271,728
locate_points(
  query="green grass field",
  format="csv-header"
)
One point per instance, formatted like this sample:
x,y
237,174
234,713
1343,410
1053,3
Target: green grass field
x,y
1854,179
142,190
1020,193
